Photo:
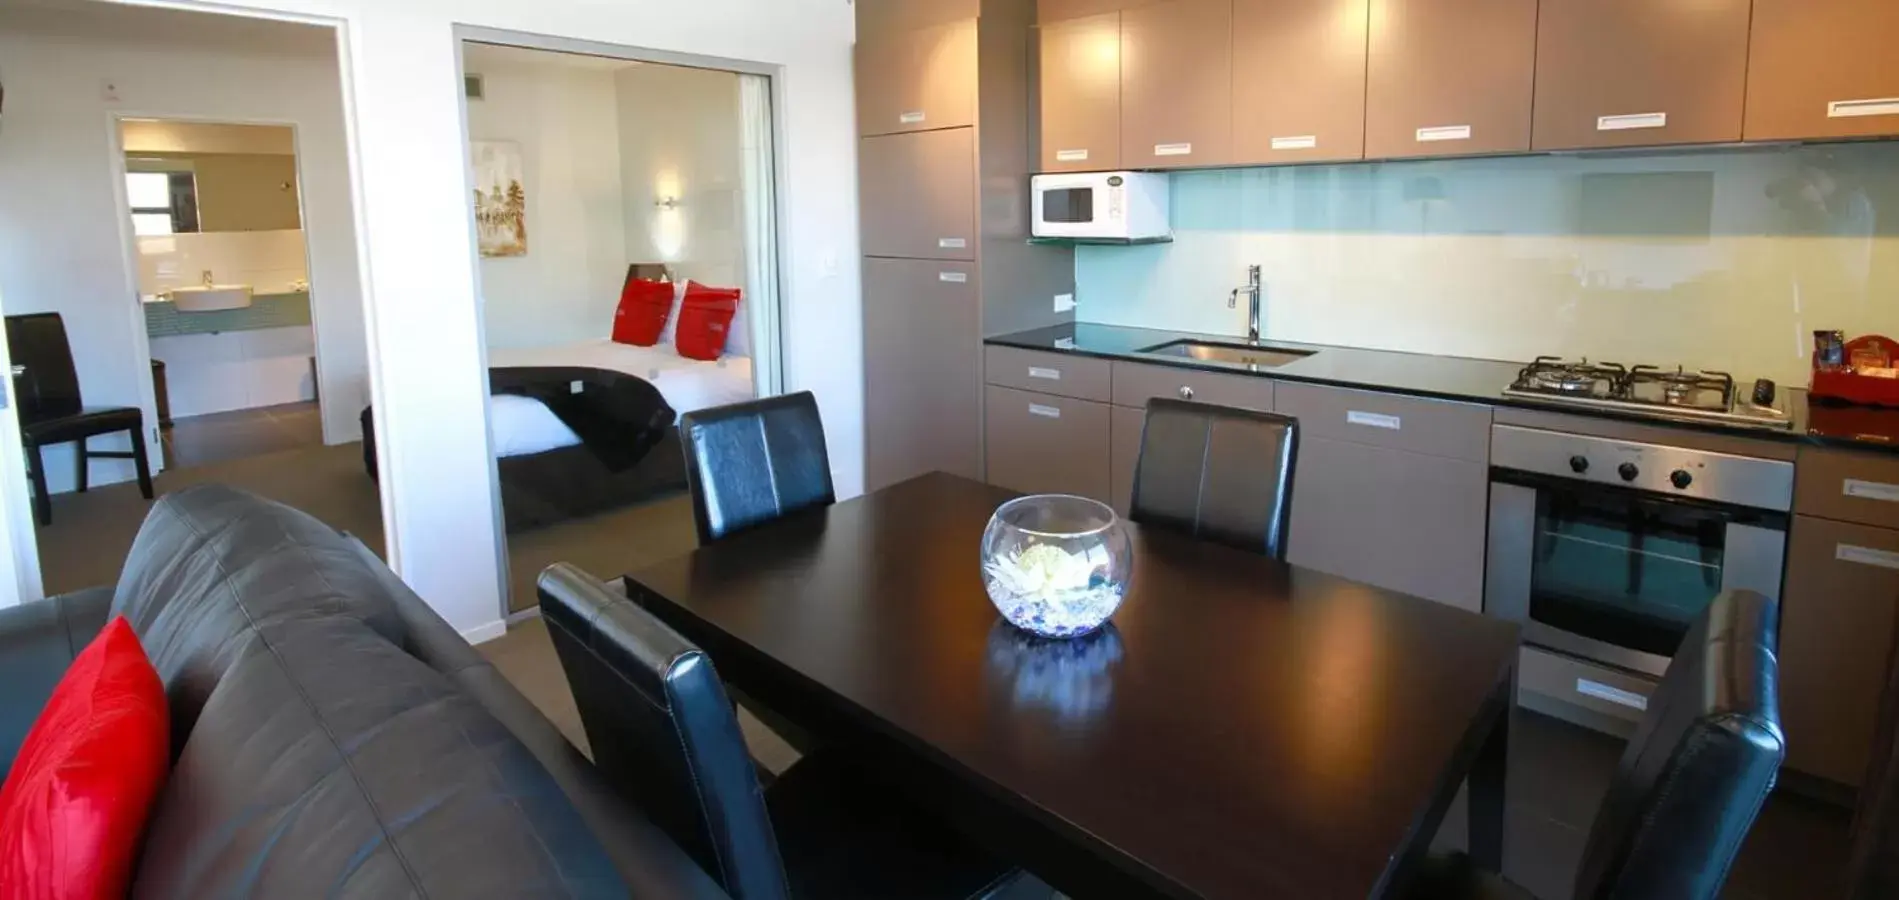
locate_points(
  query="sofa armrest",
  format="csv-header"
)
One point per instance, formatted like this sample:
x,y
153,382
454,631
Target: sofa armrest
x,y
37,643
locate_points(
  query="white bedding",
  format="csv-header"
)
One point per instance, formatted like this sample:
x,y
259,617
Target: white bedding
x,y
523,426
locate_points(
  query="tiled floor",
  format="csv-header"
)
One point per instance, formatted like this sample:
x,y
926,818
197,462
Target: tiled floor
x,y
220,437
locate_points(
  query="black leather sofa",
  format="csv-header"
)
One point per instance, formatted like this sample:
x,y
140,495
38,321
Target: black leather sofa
x,y
331,735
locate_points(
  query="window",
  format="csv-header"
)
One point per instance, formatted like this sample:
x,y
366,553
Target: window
x,y
162,202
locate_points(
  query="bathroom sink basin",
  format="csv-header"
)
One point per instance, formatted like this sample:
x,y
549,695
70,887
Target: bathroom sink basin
x,y
1232,354
211,298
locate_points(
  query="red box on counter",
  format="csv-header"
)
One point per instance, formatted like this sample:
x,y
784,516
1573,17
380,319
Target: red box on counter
x,y
1867,377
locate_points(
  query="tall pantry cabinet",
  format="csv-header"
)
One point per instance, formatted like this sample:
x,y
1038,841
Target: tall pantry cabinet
x,y
945,114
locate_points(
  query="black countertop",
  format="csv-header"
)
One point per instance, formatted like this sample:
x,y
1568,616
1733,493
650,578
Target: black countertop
x,y
1447,378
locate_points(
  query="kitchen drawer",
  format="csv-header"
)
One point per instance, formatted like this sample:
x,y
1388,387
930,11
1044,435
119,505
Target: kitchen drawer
x,y
1044,444
1135,384
1124,450
1836,628
1601,691
1848,486
917,194
1436,427
1063,374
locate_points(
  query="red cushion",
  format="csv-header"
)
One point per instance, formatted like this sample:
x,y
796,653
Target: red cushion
x,y
644,306
75,802
705,320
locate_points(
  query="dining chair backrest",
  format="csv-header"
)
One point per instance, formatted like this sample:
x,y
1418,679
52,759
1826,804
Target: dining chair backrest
x,y
1700,765
662,730
1872,873
750,463
48,384
1216,472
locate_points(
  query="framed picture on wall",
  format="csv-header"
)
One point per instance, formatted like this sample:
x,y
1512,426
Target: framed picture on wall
x,y
500,198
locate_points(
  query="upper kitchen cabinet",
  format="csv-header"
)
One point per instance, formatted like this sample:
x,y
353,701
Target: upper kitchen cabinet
x,y
1620,73
1299,80
1823,69
881,17
917,194
1449,77
917,80
1081,94
1057,10
1177,85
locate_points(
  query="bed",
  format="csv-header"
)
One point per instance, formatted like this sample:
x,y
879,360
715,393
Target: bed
x,y
551,472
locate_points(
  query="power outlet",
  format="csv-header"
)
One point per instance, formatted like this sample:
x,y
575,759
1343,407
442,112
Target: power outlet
x,y
109,90
1064,302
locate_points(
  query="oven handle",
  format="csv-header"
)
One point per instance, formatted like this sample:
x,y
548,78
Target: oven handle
x,y
1729,512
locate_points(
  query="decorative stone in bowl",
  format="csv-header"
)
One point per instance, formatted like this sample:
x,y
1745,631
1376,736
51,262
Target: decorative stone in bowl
x,y
1056,565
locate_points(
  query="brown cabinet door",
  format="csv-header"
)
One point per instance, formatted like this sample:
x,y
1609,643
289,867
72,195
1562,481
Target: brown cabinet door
x,y
1298,80
881,17
1177,85
922,370
1449,77
1836,627
1823,69
1622,73
1081,94
918,194
1057,10
1124,450
917,80
1041,443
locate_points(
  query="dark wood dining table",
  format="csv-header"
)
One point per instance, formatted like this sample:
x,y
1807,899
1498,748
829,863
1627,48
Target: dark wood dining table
x,y
1243,728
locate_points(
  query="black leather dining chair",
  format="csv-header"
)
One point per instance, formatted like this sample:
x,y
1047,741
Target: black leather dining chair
x,y
1218,473
1692,779
750,463
46,388
664,734
1872,872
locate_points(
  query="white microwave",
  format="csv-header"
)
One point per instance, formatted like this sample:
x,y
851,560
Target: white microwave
x,y
1101,206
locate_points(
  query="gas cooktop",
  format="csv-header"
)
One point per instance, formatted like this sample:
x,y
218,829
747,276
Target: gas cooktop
x,y
1650,391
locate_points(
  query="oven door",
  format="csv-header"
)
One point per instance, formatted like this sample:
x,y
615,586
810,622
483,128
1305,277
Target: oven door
x,y
1616,576
1072,206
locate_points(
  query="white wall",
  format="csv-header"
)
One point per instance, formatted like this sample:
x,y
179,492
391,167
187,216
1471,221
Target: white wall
x,y
61,241
679,138
271,262
563,116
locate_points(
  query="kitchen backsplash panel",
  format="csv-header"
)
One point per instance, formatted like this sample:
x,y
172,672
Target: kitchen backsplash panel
x,y
1723,259
271,262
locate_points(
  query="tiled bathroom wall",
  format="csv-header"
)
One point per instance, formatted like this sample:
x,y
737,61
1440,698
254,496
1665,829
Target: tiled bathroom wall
x,y
1721,259
271,262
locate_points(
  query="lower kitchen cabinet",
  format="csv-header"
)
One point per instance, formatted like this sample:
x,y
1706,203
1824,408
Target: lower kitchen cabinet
x,y
1044,444
922,368
1836,629
1124,450
1399,520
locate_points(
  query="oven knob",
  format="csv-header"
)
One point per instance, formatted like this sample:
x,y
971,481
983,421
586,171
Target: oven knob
x,y
1681,479
1579,464
1628,471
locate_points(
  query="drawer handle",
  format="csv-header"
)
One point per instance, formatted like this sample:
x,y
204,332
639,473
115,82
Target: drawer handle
x,y
953,277
951,243
1866,556
1444,133
1299,142
1046,374
1186,392
1870,490
1373,420
1173,149
1846,109
910,118
1614,695
1632,120
1046,412
1071,156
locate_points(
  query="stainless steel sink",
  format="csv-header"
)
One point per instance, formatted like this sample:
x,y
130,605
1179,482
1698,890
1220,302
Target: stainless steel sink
x,y
1232,354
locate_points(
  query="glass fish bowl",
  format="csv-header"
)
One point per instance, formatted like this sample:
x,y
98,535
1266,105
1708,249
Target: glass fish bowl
x,y
1056,565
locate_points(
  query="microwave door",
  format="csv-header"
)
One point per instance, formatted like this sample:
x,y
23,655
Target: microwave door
x,y
1065,208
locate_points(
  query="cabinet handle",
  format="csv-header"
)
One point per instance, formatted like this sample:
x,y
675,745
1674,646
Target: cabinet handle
x,y
1300,142
951,243
1632,120
953,277
1866,556
1870,490
1612,694
911,118
1186,392
1373,420
1071,156
1444,133
1846,109
1046,412
1049,374
1173,149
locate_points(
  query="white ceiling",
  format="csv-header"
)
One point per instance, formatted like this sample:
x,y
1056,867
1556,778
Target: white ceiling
x,y
143,25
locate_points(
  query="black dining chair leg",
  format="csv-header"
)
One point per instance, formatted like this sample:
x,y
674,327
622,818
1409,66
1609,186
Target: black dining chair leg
x,y
36,472
81,464
141,462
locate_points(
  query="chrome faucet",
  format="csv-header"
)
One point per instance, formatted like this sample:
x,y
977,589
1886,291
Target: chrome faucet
x,y
208,280
1253,291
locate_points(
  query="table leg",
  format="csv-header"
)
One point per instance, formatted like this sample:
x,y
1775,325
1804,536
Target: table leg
x,y
1487,778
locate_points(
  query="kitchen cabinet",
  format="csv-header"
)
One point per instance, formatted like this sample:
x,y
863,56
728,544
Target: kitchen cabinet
x,y
1299,80
1848,487
881,17
1062,374
1042,443
917,80
1057,10
918,194
1619,73
922,401
1135,384
1177,84
1124,451
1081,94
1822,69
1449,77
1836,627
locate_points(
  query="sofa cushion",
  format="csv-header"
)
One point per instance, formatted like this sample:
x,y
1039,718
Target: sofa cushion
x,y
212,563
328,762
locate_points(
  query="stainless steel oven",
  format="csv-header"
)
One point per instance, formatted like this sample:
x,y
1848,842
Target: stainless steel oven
x,y
1606,550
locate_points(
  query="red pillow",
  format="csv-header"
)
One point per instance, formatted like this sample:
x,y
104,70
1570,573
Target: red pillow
x,y
644,306
75,802
705,321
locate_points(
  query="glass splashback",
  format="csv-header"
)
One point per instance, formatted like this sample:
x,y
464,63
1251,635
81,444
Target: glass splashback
x,y
1724,259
